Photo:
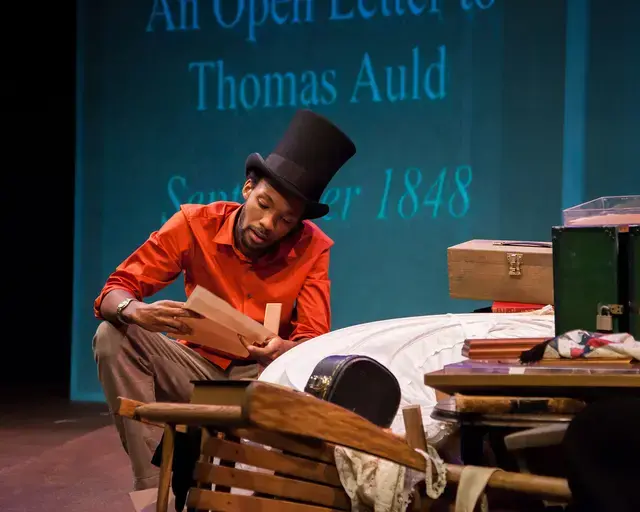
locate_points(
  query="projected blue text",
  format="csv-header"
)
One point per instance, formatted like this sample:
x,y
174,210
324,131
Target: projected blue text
x,y
219,89
399,194
221,85
248,17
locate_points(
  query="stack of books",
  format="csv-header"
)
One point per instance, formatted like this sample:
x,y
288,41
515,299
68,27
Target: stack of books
x,y
507,349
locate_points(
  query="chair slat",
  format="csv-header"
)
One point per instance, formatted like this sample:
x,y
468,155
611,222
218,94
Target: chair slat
x,y
273,485
201,499
308,448
262,458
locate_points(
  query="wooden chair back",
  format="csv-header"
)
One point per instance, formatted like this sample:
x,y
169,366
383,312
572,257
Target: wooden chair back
x,y
267,472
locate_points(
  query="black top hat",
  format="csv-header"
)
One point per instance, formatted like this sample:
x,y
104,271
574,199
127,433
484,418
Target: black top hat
x,y
305,160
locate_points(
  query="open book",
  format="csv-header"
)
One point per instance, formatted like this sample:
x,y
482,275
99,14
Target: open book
x,y
224,328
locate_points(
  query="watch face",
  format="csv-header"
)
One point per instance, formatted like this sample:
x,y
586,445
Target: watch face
x,y
121,306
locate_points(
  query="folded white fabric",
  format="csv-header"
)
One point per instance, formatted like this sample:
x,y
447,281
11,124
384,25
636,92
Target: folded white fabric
x,y
374,484
378,485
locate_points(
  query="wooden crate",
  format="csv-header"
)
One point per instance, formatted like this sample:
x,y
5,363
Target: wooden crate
x,y
496,270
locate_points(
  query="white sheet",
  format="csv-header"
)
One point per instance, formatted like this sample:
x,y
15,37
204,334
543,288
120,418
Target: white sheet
x,y
409,347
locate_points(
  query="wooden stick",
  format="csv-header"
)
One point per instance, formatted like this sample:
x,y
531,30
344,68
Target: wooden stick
x,y
272,314
191,414
127,409
414,427
166,467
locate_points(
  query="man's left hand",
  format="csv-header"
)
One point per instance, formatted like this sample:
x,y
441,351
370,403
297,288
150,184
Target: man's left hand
x,y
273,349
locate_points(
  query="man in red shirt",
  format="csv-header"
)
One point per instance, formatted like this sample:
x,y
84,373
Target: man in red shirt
x,y
265,250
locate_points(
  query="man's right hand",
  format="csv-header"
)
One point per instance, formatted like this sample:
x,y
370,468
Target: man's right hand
x,y
161,316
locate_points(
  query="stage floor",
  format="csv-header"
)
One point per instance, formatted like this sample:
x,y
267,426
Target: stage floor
x,y
62,456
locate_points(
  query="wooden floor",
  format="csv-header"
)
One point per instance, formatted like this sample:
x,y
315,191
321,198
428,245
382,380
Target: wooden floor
x,y
56,455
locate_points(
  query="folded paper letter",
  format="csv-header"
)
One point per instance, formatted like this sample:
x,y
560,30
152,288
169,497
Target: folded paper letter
x,y
222,327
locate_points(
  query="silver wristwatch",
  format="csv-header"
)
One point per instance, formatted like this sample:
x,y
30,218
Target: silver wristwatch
x,y
120,309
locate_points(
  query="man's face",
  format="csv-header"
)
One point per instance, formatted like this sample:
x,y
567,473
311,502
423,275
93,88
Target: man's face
x,y
268,216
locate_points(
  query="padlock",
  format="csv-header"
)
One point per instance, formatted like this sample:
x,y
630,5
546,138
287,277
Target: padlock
x,y
604,320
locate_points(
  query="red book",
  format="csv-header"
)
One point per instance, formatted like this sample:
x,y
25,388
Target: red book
x,y
515,307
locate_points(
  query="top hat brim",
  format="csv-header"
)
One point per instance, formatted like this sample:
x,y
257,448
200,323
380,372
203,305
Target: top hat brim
x,y
313,209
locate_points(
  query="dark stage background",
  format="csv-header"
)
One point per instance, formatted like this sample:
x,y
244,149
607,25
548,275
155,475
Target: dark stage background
x,y
38,86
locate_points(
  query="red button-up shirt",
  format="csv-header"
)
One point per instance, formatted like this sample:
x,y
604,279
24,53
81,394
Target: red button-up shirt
x,y
197,242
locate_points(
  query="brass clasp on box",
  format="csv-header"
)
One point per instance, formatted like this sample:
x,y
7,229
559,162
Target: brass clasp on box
x,y
319,384
515,261
604,316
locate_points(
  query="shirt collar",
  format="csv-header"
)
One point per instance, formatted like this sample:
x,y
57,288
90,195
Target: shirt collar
x,y
224,236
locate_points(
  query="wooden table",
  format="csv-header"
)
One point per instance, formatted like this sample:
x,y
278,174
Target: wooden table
x,y
524,381
535,382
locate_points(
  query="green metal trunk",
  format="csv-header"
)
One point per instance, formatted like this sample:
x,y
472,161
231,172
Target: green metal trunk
x,y
596,266
634,281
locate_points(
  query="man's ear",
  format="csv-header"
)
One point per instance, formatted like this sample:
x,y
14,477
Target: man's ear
x,y
247,189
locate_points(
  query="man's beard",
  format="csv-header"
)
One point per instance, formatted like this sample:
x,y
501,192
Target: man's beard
x,y
243,241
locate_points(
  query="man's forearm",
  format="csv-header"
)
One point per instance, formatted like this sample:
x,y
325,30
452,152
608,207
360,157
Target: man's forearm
x,y
110,303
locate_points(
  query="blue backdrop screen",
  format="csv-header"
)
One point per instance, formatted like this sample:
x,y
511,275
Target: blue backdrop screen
x,y
472,119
